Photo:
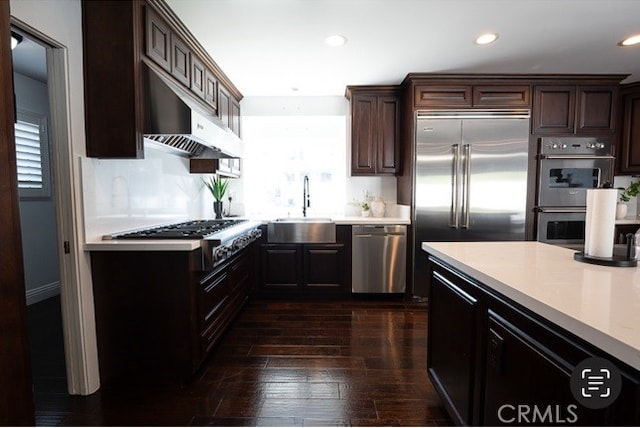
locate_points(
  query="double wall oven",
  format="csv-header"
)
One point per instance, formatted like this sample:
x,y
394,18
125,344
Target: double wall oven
x,y
567,167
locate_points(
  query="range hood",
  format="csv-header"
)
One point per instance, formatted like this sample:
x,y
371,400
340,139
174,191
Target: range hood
x,y
172,124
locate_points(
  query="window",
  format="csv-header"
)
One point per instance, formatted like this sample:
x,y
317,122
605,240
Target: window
x,y
32,154
279,151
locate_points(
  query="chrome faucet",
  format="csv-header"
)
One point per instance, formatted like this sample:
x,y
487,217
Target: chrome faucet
x,y
305,196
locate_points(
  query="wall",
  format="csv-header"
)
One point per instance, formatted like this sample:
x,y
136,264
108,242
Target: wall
x,y
121,195
37,216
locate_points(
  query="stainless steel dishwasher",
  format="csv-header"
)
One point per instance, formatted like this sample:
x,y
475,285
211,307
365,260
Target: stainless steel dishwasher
x,y
379,258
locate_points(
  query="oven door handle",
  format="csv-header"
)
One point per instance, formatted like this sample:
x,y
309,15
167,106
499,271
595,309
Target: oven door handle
x,y
562,210
578,157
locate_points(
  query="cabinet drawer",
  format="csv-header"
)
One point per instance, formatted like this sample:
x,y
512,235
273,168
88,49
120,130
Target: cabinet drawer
x,y
442,96
501,96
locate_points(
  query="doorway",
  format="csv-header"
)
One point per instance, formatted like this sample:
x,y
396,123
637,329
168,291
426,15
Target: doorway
x,y
39,225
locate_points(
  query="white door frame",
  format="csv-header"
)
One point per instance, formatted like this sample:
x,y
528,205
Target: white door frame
x,y
76,292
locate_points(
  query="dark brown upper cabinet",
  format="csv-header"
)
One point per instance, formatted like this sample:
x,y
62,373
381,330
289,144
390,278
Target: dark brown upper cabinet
x,y
119,37
629,135
574,109
442,95
180,60
375,128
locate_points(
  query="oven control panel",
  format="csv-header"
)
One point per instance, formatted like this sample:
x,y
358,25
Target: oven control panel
x,y
570,146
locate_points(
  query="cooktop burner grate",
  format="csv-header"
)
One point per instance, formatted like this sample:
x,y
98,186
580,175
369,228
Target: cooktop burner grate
x,y
195,229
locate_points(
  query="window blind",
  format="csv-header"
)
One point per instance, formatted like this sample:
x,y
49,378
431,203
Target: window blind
x,y
29,155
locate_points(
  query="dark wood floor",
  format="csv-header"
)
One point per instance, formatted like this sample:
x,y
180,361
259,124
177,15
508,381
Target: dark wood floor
x,y
343,363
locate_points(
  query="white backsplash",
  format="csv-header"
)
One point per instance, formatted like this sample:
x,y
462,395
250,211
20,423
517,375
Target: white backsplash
x,y
123,195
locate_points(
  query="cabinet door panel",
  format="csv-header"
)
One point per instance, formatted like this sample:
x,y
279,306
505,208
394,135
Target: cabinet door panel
x,y
442,96
363,135
505,96
281,266
521,371
388,143
554,109
158,40
596,110
224,107
324,266
180,63
453,316
234,117
197,77
211,90
629,158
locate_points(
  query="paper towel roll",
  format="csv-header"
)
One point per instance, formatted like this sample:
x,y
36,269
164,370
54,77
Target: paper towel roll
x,y
600,222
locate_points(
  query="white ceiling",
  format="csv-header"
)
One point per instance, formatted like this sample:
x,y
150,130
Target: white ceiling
x,y
268,47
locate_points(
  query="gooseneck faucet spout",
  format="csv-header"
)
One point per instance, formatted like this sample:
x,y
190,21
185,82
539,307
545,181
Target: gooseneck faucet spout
x,y
306,203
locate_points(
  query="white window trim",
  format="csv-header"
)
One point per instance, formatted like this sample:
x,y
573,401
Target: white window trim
x,y
41,120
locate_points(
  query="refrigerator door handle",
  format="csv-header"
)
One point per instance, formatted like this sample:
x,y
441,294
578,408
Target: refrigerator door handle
x,y
453,211
466,185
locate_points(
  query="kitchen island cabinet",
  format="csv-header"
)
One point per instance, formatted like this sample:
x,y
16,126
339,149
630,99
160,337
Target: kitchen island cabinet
x,y
524,316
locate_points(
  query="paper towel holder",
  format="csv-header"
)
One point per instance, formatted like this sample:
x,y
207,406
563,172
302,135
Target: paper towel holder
x,y
617,261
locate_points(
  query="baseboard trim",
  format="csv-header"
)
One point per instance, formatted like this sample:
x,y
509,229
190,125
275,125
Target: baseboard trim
x,y
43,292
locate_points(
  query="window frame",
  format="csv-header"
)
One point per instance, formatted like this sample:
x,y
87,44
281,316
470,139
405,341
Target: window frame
x,y
41,121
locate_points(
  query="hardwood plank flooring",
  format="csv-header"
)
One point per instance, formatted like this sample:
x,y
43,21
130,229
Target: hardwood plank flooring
x,y
306,363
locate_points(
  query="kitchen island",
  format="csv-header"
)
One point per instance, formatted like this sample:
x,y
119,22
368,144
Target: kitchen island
x,y
510,321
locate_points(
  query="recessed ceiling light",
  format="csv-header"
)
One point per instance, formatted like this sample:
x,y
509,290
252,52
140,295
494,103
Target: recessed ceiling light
x,y
335,40
630,41
487,38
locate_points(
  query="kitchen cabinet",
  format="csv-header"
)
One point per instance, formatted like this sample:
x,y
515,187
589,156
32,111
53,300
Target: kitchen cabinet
x,y
228,110
443,95
164,311
621,231
574,109
304,270
629,135
375,128
487,355
228,167
452,344
119,38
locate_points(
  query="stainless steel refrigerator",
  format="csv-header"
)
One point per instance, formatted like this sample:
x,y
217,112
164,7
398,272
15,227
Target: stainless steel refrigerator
x,y
470,179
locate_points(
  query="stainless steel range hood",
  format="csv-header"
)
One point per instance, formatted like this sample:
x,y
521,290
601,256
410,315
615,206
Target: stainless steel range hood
x,y
172,124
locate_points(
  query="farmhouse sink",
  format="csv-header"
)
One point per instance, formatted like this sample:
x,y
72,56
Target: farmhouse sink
x,y
301,230
302,220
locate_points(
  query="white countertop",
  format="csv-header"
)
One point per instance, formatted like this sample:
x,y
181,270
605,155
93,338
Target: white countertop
x,y
628,220
193,244
597,303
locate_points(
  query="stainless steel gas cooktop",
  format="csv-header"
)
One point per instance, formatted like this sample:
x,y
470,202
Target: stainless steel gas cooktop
x,y
194,229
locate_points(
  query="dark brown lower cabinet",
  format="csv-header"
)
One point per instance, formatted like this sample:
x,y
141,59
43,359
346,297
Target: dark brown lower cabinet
x,y
304,269
158,316
495,362
453,320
